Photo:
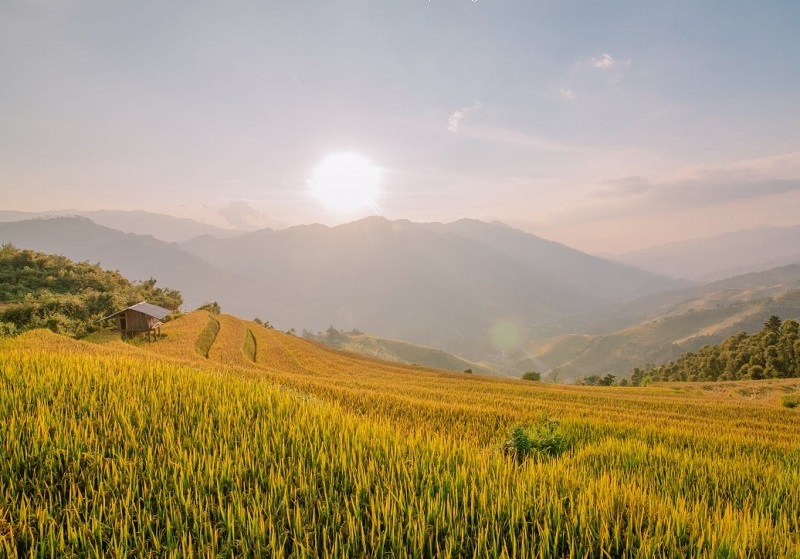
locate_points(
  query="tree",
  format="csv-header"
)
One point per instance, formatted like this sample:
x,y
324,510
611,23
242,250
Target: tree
x,y
212,307
607,380
532,375
773,323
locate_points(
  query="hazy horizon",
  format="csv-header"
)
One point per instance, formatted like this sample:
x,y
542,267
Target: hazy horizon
x,y
232,230
607,128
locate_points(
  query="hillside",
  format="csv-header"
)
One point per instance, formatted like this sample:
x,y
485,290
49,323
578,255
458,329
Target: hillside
x,y
772,352
397,351
469,288
658,340
448,286
44,291
278,446
138,257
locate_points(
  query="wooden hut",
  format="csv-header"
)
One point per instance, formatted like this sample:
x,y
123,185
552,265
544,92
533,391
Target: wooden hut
x,y
140,318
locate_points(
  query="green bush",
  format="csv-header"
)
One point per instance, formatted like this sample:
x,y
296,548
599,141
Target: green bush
x,y
7,329
790,401
543,441
532,375
212,307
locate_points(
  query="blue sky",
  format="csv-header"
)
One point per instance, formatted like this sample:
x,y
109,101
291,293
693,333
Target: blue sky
x,y
606,125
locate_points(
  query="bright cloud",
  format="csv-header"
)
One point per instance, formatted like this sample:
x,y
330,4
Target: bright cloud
x,y
604,61
455,119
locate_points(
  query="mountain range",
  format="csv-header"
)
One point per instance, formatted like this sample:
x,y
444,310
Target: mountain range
x,y
469,287
494,295
164,227
450,286
721,256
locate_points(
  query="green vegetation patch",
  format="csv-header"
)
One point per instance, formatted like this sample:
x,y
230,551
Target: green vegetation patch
x,y
771,353
206,338
249,347
40,290
790,401
542,441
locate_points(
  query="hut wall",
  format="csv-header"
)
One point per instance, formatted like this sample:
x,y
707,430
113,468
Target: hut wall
x,y
136,321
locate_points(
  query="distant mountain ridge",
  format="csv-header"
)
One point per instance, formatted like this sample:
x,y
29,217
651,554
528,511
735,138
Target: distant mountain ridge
x,y
721,256
471,288
451,286
138,257
161,226
480,291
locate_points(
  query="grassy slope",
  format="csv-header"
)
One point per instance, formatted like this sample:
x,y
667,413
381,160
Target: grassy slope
x,y
408,353
659,340
157,450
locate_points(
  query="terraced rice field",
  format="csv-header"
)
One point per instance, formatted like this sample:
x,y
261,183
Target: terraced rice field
x,y
116,450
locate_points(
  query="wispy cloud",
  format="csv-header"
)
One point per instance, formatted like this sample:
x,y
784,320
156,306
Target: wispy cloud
x,y
514,138
604,61
698,187
567,94
624,187
455,119
592,74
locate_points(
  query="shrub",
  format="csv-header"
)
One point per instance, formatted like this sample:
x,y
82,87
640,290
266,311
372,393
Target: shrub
x,y
468,371
7,329
543,441
212,307
790,401
532,375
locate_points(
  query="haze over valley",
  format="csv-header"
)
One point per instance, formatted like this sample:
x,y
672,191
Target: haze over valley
x,y
490,294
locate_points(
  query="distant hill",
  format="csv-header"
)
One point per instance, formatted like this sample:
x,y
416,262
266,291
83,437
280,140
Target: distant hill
x,y
470,288
658,340
477,290
137,257
396,351
163,227
708,296
772,352
721,256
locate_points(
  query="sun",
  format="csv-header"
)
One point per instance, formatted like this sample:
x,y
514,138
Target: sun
x,y
346,182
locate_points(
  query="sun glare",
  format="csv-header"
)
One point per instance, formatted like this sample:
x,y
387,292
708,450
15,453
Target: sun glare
x,y
346,182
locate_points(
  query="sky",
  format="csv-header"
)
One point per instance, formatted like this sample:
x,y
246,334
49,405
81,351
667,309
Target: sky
x,y
607,125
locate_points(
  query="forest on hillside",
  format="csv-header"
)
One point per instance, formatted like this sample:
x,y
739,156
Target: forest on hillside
x,y
772,352
40,290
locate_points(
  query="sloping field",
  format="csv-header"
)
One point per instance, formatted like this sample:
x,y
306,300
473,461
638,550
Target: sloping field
x,y
122,451
660,340
403,352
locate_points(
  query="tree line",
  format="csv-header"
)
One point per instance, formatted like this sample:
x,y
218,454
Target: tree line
x,y
772,352
40,290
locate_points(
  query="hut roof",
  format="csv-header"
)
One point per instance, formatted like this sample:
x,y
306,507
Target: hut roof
x,y
145,308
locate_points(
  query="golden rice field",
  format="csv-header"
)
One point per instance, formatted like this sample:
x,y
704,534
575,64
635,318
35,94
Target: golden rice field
x,y
273,446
